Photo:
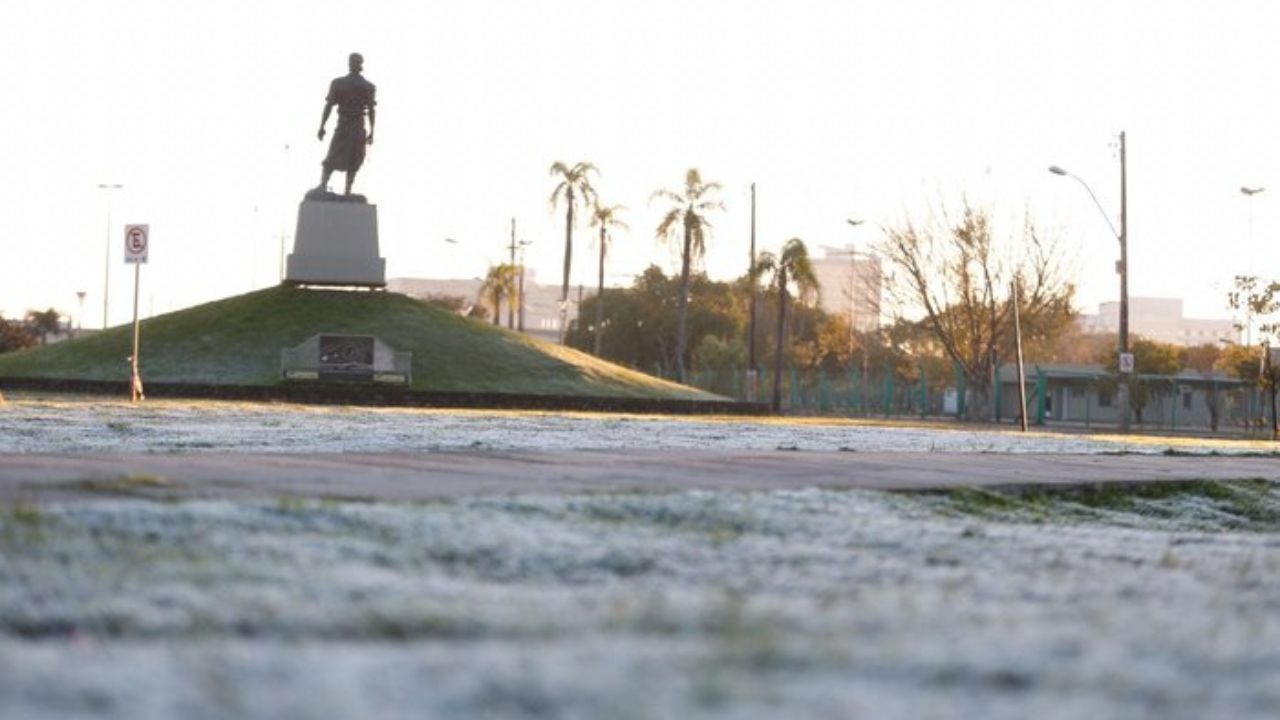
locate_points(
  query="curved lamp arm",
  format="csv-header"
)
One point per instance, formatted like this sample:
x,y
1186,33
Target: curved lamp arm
x,y
1059,171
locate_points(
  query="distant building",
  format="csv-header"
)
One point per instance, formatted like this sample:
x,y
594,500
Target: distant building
x,y
1086,394
849,285
1161,319
541,312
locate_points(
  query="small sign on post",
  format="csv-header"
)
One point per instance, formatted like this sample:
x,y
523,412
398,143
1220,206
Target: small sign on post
x,y
137,243
1126,362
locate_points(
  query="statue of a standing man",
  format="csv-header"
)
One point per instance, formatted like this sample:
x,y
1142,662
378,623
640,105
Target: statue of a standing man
x,y
354,97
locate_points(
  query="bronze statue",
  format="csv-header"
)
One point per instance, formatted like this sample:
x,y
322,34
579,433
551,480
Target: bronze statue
x,y
354,97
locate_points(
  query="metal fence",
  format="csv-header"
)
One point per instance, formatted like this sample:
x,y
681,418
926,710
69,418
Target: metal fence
x,y
889,394
850,393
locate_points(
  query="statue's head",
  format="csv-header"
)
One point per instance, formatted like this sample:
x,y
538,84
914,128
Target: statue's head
x,y
355,61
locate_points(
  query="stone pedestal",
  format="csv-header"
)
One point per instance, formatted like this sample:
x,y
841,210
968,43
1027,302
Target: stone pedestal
x,y
336,244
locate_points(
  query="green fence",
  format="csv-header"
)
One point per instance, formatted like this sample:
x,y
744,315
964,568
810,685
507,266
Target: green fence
x,y
884,392
848,393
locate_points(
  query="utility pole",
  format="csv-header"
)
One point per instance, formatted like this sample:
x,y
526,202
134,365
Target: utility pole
x,y
511,307
752,370
1124,361
1125,374
1017,339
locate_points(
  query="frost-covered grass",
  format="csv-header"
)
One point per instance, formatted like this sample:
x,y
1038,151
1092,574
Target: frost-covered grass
x,y
1156,601
61,425
1150,603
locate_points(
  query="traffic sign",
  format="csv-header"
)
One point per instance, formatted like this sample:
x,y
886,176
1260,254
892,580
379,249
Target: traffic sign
x,y
1126,362
136,243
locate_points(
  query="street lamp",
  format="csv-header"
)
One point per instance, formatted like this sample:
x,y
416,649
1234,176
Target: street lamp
x,y
1125,360
853,282
1249,192
106,277
80,295
853,276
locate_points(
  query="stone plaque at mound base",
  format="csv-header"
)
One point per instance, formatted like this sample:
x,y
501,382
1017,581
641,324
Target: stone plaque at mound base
x,y
336,244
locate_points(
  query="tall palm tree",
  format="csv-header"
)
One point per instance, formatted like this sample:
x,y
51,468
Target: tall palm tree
x,y
792,265
605,217
574,189
498,284
688,211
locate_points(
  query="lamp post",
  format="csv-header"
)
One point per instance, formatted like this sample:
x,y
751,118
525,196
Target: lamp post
x,y
752,374
80,295
852,291
1249,192
1125,360
858,280
106,277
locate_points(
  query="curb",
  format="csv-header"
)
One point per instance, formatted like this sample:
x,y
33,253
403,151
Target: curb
x,y
310,393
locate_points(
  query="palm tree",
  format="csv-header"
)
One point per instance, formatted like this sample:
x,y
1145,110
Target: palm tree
x,y
574,189
499,283
605,218
688,211
791,266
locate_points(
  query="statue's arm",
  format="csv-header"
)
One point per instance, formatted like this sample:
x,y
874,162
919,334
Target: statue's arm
x,y
324,118
372,117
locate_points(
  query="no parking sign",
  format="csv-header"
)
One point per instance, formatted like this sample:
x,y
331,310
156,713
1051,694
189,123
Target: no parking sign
x,y
137,240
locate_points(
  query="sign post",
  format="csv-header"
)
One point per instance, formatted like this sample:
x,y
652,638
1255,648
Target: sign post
x,y
137,242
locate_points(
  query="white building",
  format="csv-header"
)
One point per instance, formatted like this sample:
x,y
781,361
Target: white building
x,y
1161,319
849,285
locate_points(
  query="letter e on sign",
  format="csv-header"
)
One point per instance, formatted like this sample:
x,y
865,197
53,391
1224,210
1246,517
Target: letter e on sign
x,y
137,240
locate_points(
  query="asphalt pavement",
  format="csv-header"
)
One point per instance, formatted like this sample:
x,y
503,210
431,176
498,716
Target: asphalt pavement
x,y
424,476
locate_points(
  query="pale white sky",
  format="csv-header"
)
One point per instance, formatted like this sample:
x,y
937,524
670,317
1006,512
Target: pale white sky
x,y
835,109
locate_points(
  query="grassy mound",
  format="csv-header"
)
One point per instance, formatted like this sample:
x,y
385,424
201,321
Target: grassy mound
x,y
237,341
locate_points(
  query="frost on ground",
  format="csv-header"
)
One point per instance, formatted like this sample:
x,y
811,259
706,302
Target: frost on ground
x,y
49,426
1157,603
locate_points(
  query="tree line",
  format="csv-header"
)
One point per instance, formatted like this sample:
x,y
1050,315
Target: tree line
x,y
950,270
33,329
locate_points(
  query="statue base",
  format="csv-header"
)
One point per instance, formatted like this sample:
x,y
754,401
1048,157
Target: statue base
x,y
336,244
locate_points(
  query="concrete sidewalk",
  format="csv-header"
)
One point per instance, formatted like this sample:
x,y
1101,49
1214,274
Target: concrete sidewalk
x,y
427,476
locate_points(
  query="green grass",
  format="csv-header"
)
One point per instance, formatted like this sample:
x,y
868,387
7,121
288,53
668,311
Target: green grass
x,y
237,341
1252,505
128,485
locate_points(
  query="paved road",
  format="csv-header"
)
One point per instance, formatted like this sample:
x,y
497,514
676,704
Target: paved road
x,y
425,476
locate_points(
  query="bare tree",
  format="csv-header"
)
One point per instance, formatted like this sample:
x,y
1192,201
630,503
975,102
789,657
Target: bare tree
x,y
955,276
1259,298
